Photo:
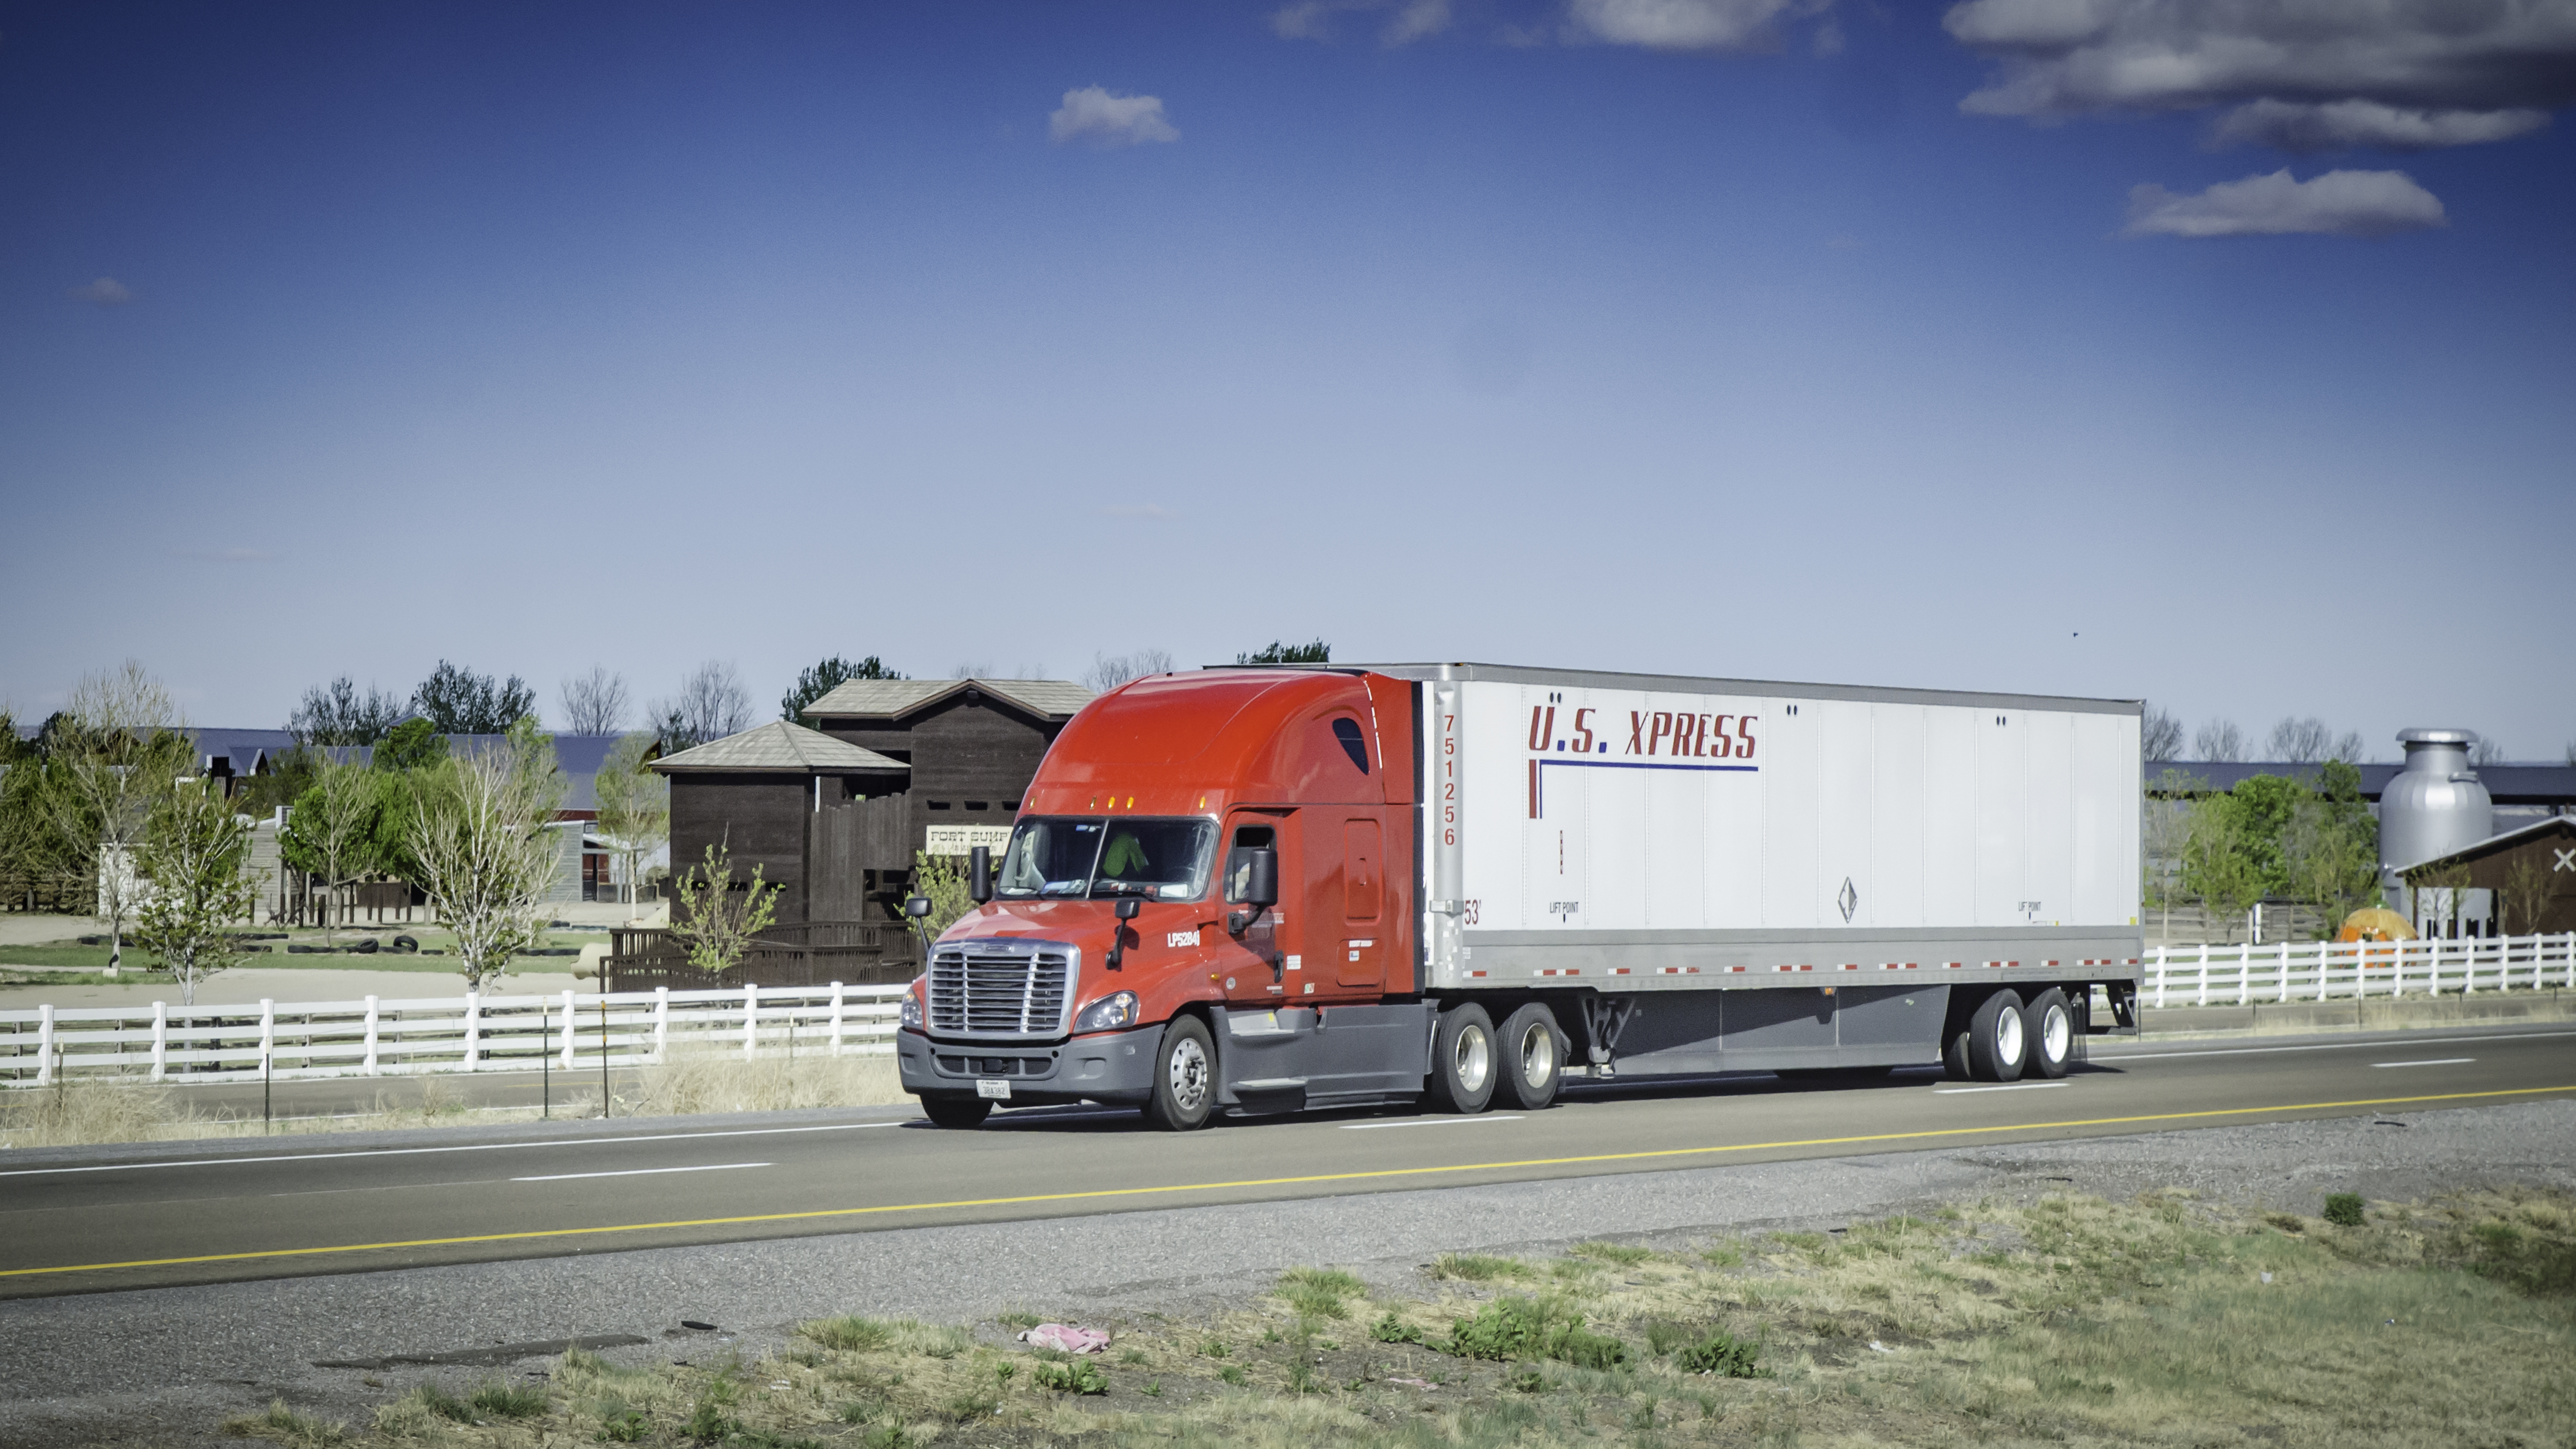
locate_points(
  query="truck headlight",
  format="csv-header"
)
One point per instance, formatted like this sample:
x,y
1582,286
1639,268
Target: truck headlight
x,y
912,1005
1109,1013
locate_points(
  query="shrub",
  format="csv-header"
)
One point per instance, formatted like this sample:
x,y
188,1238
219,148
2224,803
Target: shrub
x,y
1318,1292
1392,1329
848,1333
1720,1353
286,1427
502,1401
1081,1376
2343,1209
1533,1328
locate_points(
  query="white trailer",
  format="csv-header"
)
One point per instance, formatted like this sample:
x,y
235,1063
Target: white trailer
x,y
1713,875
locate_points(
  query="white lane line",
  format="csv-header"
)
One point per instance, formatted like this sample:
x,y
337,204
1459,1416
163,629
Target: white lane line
x,y
2440,1062
1430,1122
642,1171
2103,1057
2007,1087
464,1147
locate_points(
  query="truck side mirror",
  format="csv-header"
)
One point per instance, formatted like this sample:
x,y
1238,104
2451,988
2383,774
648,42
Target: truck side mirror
x,y
979,874
1127,907
1256,884
917,907
1126,910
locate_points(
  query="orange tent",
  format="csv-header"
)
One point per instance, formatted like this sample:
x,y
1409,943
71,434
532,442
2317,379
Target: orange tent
x,y
2375,923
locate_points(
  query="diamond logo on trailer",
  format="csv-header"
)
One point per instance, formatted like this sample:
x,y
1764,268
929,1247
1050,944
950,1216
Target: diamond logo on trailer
x,y
1849,900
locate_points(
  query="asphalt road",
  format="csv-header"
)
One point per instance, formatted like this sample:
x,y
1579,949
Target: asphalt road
x,y
148,1218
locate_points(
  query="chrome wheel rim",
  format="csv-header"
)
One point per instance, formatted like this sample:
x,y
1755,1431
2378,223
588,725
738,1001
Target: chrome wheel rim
x,y
1538,1055
2057,1033
1472,1060
1188,1074
2008,1037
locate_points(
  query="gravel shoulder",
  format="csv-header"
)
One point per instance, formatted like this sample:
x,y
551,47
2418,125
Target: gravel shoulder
x,y
164,1367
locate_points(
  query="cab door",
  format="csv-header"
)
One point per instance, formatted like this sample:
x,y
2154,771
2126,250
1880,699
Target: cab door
x,y
1360,962
1270,969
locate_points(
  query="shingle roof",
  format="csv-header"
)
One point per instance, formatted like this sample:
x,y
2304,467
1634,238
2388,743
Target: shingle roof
x,y
778,748
886,698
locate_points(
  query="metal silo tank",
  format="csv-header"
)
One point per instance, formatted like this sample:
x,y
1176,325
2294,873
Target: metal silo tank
x,y
2433,806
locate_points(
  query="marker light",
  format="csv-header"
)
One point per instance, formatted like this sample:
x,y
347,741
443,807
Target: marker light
x,y
912,1004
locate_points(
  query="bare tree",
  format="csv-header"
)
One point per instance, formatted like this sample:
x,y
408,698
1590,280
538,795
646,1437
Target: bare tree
x,y
485,856
2218,742
119,754
2524,898
710,705
594,703
971,671
1108,671
2302,741
2159,735
634,805
337,714
2350,749
195,857
2486,751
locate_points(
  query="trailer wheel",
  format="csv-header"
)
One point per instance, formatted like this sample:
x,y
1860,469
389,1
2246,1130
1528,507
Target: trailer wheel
x,y
1462,1060
1997,1044
1184,1077
956,1113
1533,1054
1954,1058
2049,1025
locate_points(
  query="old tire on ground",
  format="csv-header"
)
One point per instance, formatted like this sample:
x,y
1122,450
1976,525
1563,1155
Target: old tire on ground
x,y
959,1113
1997,1042
1184,1077
1533,1059
1463,1060
2048,1026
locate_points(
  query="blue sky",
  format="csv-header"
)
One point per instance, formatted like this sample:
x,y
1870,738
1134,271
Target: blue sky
x,y
1699,336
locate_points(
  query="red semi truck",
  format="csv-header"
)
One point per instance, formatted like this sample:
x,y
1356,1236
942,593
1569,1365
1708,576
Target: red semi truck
x,y
1252,891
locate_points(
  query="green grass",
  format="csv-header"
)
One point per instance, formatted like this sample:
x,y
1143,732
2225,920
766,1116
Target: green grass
x,y
1517,1327
848,1333
1479,1268
1622,1254
286,1427
1319,1292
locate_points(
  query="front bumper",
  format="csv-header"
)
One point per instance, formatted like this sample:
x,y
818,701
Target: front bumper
x,y
1115,1067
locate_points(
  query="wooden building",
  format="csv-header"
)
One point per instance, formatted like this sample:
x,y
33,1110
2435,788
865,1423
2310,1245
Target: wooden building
x,y
2520,883
771,797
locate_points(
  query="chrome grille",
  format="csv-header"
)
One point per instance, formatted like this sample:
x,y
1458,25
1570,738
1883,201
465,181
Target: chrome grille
x,y
982,990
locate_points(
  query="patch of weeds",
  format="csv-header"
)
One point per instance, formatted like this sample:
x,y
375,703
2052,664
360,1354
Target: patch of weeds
x,y
848,1333
1527,1379
2287,1222
1153,1389
436,1402
709,1424
1233,1374
285,1426
1131,1355
929,1341
1477,1267
503,1401
1724,1255
1622,1254
1212,1348
1720,1353
1318,1292
803,1357
2529,1262
1301,1375
1018,1319
1392,1329
2343,1209
974,1404
1516,1327
621,1422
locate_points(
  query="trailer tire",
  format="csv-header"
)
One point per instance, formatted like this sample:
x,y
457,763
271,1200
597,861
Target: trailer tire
x,y
1463,1060
958,1114
1998,1045
2048,1025
1954,1058
1533,1058
1184,1077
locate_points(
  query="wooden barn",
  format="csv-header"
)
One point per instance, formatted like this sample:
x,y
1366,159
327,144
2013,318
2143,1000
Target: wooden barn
x,y
2522,882
772,796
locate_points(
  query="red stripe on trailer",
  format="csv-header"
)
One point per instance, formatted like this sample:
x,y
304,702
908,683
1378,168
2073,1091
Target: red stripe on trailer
x,y
2047,963
1734,968
1955,965
1475,973
1618,970
1851,966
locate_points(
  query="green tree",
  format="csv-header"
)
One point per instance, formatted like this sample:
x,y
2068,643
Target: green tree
x,y
286,775
194,859
2220,867
2265,805
458,701
717,920
334,834
337,714
941,879
2331,847
1318,652
825,677
2167,827
116,753
634,803
482,848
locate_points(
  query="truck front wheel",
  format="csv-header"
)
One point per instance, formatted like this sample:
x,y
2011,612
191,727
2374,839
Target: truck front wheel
x,y
1184,1077
1533,1058
957,1113
1462,1060
1998,1042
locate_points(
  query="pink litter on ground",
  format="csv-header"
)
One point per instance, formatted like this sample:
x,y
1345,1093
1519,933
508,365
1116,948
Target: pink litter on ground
x,y
1066,1337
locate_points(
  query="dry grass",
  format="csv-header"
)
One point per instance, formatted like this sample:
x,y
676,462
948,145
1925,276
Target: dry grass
x,y
2067,1321
723,1082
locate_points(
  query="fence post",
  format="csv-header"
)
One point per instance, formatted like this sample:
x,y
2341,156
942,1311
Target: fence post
x,y
750,1018
267,1035
44,1043
836,1018
2284,993
569,1034
2160,978
2203,999
661,1022
160,1040
374,1016
473,1029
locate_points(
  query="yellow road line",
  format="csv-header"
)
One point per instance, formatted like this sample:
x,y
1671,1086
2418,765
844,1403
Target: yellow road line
x,y
1115,1192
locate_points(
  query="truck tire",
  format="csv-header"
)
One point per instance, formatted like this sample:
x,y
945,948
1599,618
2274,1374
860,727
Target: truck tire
x,y
1184,1077
2048,1025
1997,1042
1954,1058
960,1114
1533,1059
1462,1060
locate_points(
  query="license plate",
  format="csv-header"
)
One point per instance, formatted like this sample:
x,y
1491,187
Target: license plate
x,y
993,1089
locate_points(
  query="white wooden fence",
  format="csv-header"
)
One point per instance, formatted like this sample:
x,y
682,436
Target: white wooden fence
x,y
392,1037
2315,970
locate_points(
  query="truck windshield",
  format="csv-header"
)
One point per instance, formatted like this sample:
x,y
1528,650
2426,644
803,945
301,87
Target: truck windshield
x,y
1091,857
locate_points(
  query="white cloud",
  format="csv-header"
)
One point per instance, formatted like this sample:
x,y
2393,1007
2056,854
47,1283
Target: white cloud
x,y
1313,19
2340,125
1094,116
2427,73
2339,203
1684,24
106,292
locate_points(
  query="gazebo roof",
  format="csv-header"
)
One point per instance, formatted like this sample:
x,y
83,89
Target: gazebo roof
x,y
778,748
